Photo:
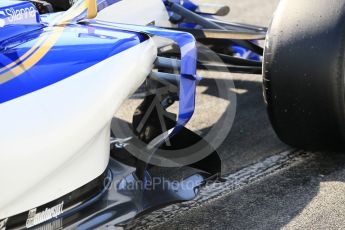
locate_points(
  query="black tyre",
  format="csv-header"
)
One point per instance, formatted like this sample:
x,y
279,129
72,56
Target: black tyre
x,y
304,73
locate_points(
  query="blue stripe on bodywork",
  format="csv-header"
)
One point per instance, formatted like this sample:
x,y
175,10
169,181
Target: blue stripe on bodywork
x,y
26,38
79,48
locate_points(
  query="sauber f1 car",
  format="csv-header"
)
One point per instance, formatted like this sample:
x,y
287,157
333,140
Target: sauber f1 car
x,y
61,83
66,67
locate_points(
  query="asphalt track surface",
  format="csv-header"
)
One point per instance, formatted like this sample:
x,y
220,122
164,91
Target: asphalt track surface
x,y
268,184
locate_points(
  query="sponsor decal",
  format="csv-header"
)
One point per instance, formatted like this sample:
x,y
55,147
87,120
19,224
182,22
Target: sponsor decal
x,y
15,15
12,15
3,224
35,218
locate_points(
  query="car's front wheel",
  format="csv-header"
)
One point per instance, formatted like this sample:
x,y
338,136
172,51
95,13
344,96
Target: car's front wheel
x,y
304,69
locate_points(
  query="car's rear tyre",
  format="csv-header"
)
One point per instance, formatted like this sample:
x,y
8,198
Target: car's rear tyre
x,y
304,69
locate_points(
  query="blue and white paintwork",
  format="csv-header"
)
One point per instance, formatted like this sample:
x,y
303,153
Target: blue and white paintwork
x,y
18,13
154,12
60,84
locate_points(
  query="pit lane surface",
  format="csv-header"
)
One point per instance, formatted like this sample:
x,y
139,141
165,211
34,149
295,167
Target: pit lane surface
x,y
269,185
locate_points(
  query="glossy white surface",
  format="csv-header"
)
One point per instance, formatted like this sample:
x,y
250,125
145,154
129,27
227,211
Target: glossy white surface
x,y
56,139
138,12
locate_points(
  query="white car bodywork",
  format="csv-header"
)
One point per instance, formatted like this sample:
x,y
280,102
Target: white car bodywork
x,y
142,12
38,167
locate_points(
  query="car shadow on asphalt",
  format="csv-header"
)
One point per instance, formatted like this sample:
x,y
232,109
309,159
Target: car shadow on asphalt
x,y
306,196
251,137
289,198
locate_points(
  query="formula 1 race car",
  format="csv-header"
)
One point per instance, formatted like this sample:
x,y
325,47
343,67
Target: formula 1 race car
x,y
60,85
66,67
